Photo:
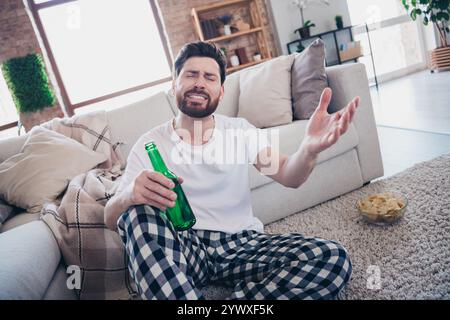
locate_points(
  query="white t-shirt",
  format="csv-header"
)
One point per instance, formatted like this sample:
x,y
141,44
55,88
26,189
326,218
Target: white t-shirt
x,y
216,174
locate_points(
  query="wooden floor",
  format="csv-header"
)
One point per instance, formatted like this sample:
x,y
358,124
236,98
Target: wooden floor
x,y
420,101
402,148
413,119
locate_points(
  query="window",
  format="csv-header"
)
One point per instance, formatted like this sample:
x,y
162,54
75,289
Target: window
x,y
101,49
395,38
8,112
372,11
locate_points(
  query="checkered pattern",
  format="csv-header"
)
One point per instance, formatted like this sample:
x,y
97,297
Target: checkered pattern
x,y
169,264
77,221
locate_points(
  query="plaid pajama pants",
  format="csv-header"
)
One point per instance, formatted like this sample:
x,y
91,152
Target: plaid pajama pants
x,y
170,264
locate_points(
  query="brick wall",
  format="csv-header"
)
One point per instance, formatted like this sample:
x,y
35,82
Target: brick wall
x,y
176,15
17,38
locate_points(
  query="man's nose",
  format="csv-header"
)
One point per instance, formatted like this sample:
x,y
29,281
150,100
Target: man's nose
x,y
200,83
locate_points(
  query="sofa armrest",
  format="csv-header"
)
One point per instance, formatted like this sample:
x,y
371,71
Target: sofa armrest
x,y
348,81
29,256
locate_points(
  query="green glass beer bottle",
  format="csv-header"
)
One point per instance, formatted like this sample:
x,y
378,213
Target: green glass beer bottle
x,y
181,215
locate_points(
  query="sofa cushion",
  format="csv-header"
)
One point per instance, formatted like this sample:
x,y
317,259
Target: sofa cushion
x,y
57,289
308,79
130,122
265,93
28,261
18,220
41,171
291,136
230,101
11,146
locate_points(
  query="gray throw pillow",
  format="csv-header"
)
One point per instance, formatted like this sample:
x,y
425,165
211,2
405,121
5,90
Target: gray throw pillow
x,y
308,79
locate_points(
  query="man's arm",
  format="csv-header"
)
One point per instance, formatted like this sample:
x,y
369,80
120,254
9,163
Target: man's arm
x,y
292,170
322,131
115,207
151,188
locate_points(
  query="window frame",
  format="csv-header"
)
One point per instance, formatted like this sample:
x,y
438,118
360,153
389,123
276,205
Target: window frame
x,y
68,105
9,125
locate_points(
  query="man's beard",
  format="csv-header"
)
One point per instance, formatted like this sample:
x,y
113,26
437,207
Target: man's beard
x,y
192,109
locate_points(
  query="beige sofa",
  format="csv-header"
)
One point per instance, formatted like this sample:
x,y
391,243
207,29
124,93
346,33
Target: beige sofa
x,y
30,261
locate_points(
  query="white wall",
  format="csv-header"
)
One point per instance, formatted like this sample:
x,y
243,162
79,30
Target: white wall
x,y
287,18
431,38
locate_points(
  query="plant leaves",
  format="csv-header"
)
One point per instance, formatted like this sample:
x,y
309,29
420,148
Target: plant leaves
x,y
405,5
28,83
443,4
442,16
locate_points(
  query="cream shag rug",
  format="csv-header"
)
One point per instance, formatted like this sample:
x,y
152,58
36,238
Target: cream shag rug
x,y
407,260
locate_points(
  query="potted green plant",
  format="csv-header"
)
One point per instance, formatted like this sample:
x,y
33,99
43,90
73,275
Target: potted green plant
x,y
304,30
30,89
437,12
339,22
300,47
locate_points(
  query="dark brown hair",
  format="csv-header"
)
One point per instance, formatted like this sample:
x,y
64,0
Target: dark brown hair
x,y
201,49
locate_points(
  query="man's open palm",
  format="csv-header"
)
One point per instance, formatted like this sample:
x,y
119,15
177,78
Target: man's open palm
x,y
323,129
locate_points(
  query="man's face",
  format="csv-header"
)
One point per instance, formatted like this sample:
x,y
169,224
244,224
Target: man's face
x,y
197,88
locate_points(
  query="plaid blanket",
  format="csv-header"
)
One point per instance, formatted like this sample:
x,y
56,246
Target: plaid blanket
x,y
78,222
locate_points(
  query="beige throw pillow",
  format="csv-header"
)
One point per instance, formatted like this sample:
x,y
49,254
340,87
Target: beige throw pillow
x,y
308,79
41,171
265,97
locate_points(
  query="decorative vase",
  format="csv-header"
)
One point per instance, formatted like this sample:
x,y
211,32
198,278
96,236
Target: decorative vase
x,y
339,22
227,29
257,57
304,32
242,55
234,60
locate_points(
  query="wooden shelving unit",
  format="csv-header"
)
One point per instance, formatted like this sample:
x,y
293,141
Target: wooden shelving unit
x,y
235,35
256,30
222,4
333,39
246,65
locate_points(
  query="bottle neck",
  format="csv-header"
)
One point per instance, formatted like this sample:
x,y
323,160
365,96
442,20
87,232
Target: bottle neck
x,y
155,158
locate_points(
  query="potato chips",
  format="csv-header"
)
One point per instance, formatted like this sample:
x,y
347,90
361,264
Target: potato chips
x,y
382,207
